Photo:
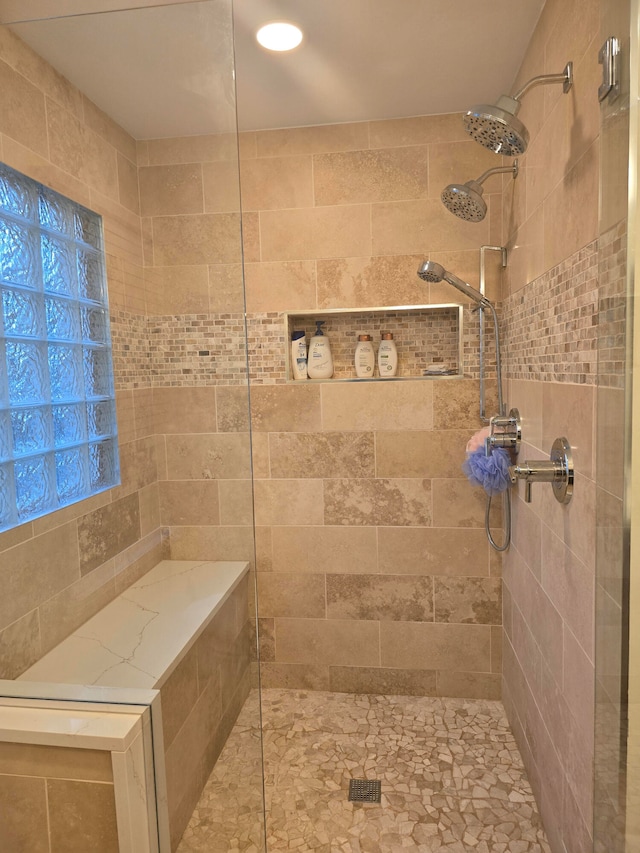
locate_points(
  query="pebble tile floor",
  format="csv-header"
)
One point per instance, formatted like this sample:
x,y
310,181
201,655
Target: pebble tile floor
x,y
452,779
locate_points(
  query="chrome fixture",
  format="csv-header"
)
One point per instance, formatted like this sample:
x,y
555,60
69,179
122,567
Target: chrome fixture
x,y
465,200
609,58
509,436
558,471
497,127
433,272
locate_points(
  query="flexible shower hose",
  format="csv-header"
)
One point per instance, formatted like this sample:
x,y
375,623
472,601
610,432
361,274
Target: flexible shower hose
x,y
506,518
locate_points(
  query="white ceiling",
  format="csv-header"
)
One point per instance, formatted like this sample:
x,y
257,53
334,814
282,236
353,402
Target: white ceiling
x,y
167,71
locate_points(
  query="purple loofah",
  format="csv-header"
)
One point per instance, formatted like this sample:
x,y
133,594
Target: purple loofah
x,y
490,472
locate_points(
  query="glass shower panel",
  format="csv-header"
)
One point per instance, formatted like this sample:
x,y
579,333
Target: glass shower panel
x,y
140,126
616,229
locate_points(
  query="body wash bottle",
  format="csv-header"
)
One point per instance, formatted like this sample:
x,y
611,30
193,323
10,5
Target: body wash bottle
x,y
365,357
320,361
298,355
387,356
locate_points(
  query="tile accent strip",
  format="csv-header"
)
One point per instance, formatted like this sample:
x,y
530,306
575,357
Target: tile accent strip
x,y
202,350
551,324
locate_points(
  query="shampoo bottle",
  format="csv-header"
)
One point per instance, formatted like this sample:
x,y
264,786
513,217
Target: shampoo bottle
x,y
299,355
387,356
365,357
320,362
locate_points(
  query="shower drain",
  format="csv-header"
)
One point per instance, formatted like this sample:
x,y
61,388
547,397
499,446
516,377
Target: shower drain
x,y
365,790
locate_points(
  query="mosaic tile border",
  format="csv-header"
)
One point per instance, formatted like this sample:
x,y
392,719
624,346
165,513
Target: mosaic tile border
x,y
204,350
551,324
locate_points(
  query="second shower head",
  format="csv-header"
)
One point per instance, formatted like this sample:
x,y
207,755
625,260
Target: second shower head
x,y
465,200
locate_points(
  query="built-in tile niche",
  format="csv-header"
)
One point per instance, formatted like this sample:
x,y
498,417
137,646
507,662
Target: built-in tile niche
x,y
427,337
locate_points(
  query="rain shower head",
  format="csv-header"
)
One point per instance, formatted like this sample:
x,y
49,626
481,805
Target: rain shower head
x,y
465,200
497,126
432,272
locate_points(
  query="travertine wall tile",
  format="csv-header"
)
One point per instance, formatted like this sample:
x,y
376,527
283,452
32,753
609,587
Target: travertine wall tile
x,y
24,823
288,594
435,453
294,408
312,140
107,531
189,502
82,816
208,456
416,130
206,238
318,455
280,285
404,598
20,646
23,110
415,645
170,190
55,762
468,600
309,233
221,187
376,521
322,641
334,549
379,406
433,551
274,504
236,502
371,281
368,176
410,227
395,682
276,183
399,502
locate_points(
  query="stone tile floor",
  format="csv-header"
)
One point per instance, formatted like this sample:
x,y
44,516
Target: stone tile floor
x,y
452,779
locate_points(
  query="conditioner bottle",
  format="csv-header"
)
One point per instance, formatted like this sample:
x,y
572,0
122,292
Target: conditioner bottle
x,y
320,362
365,357
387,356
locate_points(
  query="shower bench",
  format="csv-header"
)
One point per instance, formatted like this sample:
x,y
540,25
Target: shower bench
x,y
182,630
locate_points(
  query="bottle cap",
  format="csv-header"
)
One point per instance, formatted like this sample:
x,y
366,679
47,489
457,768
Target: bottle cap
x,y
387,336
364,337
295,336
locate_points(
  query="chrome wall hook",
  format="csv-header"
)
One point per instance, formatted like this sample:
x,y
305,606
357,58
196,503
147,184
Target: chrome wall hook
x,y
558,471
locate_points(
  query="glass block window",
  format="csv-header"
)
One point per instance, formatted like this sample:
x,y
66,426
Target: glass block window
x,y
58,440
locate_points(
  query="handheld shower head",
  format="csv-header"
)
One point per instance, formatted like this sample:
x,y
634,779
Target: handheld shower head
x,y
432,272
465,200
497,127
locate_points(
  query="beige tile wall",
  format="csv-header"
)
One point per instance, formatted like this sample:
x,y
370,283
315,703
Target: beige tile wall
x,y
550,221
374,573
199,396
60,569
56,798
201,700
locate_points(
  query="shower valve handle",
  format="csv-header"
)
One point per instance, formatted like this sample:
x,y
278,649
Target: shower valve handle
x,y
558,471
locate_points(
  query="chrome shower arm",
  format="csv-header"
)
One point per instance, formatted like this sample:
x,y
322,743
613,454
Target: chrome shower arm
x,y
566,78
497,171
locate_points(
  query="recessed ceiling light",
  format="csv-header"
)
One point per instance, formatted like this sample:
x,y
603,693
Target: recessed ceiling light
x,y
279,35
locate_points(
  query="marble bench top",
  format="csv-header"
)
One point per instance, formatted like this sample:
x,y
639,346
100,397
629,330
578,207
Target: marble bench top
x,y
137,639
